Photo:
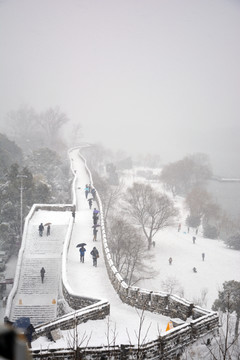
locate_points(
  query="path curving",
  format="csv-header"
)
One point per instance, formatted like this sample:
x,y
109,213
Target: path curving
x,y
94,282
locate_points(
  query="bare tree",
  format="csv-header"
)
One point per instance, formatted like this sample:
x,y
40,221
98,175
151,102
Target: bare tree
x,y
141,338
218,345
225,345
202,300
149,209
75,341
127,248
109,194
172,285
111,335
51,122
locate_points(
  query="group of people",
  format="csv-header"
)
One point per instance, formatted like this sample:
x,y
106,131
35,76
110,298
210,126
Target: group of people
x,y
170,260
90,190
94,253
41,229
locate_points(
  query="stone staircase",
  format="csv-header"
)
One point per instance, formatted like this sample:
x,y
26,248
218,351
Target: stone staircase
x,y
37,314
35,299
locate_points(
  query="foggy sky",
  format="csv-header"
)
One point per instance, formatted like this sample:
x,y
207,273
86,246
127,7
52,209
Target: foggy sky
x,y
146,76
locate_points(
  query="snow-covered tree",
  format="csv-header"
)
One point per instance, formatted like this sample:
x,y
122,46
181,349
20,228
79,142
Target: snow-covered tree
x,y
149,209
127,248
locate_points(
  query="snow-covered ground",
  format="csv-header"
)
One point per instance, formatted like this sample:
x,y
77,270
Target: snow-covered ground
x,y
122,325
220,264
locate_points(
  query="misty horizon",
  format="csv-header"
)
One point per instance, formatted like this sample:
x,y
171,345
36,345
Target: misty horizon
x,y
145,77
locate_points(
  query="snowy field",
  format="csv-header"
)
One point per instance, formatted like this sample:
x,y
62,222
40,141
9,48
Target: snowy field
x,y
220,264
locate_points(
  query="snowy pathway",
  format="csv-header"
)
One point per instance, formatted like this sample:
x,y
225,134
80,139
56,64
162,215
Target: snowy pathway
x,y
90,281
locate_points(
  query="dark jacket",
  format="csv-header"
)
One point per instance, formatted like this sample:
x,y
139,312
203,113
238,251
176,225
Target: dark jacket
x,y
94,253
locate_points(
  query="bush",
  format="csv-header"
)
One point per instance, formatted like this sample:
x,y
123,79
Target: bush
x,y
233,241
210,231
193,221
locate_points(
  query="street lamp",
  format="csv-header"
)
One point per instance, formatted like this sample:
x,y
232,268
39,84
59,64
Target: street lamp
x,y
21,202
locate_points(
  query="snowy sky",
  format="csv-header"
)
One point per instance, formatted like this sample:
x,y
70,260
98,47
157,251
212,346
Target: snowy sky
x,y
153,76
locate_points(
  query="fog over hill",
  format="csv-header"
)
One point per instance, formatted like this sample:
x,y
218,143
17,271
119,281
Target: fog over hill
x,y
145,76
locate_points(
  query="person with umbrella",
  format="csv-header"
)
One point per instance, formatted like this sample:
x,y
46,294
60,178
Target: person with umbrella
x,y
48,228
82,251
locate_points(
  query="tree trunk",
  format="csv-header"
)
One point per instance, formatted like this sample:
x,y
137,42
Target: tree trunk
x,y
237,326
149,243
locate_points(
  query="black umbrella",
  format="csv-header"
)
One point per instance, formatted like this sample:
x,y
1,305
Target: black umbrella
x,y
81,244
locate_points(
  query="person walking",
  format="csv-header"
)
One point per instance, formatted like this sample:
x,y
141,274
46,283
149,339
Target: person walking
x,y
28,333
73,215
194,270
95,219
170,261
95,256
48,230
40,229
193,239
82,253
93,192
86,190
90,203
42,272
203,256
95,211
95,231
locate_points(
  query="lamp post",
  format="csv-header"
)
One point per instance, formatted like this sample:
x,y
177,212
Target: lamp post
x,y
21,202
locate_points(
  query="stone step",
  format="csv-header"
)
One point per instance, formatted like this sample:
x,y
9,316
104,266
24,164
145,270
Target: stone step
x,y
37,314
